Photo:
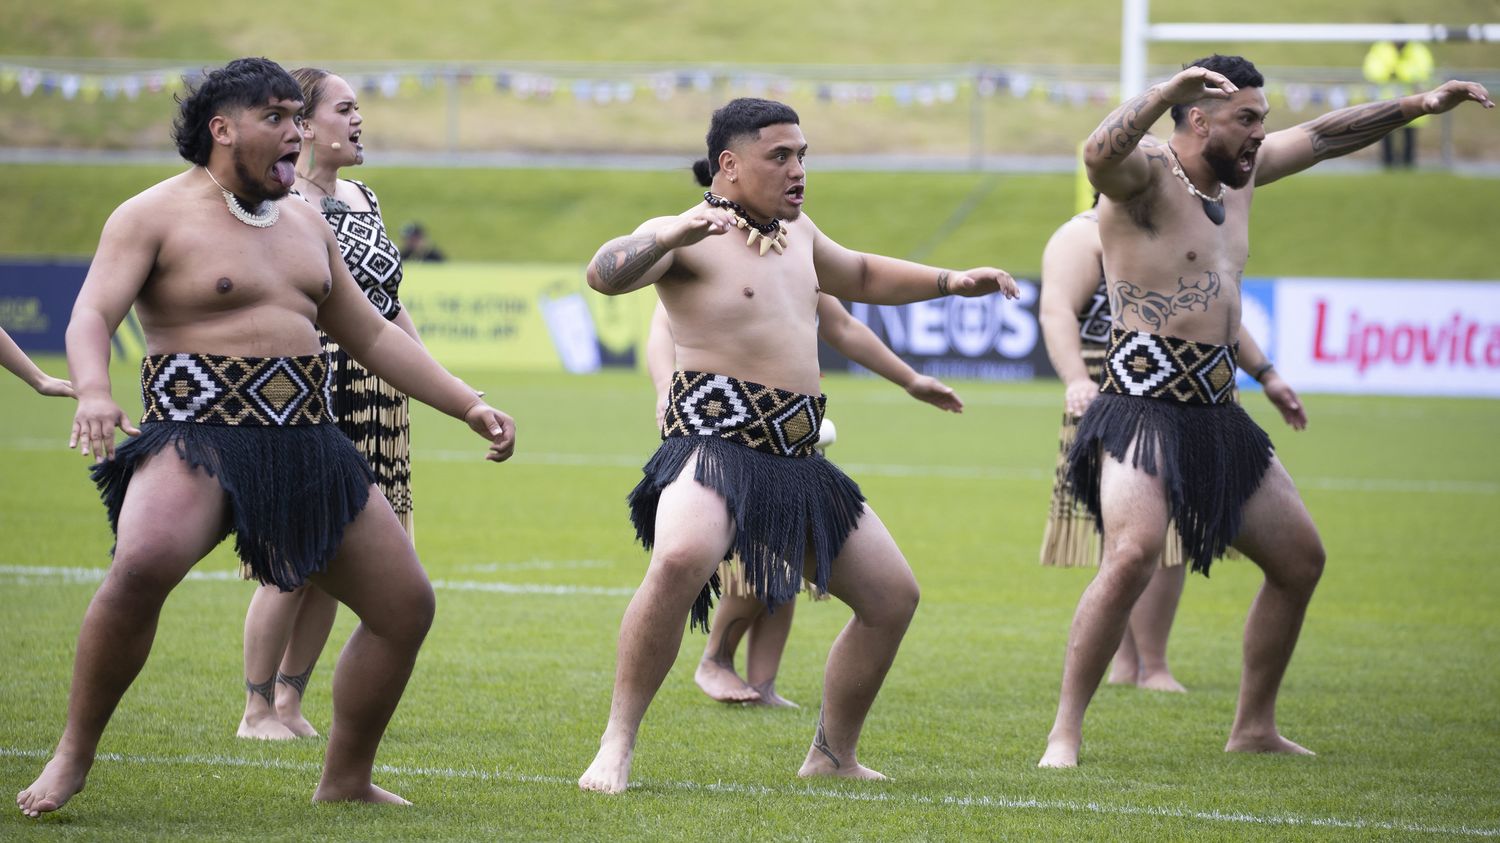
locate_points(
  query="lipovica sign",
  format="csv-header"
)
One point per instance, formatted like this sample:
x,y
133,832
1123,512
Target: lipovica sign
x,y
1389,337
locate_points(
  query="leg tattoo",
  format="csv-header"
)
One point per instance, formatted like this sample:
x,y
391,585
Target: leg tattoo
x,y
297,683
266,689
727,642
820,743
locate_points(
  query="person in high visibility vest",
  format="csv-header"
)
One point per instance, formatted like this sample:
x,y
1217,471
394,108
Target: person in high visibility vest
x,y
1399,68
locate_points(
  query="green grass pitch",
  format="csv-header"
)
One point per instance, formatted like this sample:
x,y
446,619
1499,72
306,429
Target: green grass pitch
x,y
1394,682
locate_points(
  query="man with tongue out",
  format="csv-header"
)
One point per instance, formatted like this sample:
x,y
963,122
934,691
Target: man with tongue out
x,y
231,286
737,476
1163,442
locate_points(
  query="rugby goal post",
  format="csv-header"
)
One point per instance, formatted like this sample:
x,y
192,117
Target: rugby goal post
x,y
1137,32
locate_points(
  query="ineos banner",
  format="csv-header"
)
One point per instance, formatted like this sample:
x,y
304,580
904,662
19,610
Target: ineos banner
x,y
1389,337
36,299
991,338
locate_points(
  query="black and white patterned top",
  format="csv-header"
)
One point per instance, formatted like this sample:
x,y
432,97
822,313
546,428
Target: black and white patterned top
x,y
1094,320
373,260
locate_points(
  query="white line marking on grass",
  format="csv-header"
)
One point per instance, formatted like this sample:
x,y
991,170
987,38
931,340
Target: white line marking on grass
x,y
956,801
1394,485
24,574
537,565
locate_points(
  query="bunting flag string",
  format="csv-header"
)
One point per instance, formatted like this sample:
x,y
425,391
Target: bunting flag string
x,y
1060,86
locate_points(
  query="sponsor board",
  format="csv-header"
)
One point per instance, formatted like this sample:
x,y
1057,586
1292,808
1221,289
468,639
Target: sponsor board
x,y
36,299
1389,337
988,338
535,317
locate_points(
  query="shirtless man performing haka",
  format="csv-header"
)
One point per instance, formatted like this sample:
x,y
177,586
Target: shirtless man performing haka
x,y
229,283
1162,441
737,474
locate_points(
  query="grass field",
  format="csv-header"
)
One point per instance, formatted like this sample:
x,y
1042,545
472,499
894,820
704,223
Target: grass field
x,y
1388,225
1395,682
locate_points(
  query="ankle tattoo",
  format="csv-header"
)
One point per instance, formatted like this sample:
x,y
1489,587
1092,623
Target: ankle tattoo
x,y
728,641
820,743
297,683
266,690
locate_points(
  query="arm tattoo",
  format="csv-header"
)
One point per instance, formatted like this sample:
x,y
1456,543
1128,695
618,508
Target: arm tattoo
x,y
820,743
622,261
1342,132
1124,127
1156,309
943,283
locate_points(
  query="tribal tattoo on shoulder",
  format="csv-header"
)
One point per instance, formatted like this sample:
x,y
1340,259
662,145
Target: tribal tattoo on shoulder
x,y
1123,128
1341,132
1156,309
624,260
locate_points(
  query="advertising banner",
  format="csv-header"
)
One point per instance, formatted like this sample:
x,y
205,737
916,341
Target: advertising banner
x,y
1389,337
990,338
535,317
36,299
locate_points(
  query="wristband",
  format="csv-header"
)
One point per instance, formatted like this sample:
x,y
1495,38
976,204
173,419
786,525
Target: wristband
x,y
1261,372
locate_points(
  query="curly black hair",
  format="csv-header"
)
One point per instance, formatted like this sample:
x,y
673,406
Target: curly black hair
x,y
238,85
1236,69
743,116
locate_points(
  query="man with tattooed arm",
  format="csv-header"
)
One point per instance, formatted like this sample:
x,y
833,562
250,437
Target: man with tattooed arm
x,y
1162,442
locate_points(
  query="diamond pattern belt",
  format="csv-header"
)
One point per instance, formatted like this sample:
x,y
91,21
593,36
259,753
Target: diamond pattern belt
x,y
1155,366
239,391
765,418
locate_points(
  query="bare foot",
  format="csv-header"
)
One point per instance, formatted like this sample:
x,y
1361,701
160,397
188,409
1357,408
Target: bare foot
x,y
769,697
1162,681
610,772
60,780
1272,742
364,793
1120,675
291,717
265,728
1062,752
820,763
721,683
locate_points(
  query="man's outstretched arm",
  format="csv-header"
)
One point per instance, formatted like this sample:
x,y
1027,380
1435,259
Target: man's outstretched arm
x,y
641,258
1341,132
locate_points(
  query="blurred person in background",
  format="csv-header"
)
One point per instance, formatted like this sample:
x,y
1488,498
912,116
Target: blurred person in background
x,y
285,631
740,615
1399,68
416,247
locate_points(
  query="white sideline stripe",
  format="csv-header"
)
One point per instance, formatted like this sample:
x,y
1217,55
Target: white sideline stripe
x,y
1393,485
958,801
21,573
536,565
960,472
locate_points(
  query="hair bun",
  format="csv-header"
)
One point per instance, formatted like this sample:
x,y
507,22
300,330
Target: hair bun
x,y
702,173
